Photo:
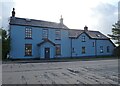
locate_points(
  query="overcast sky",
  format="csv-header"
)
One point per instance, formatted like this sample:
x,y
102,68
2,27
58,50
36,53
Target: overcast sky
x,y
96,14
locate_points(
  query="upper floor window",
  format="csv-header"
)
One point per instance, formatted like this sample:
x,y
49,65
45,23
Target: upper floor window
x,y
58,34
28,49
83,50
28,32
45,33
83,38
101,49
58,49
108,49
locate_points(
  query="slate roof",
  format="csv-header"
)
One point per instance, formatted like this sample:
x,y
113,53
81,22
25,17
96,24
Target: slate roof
x,y
91,34
96,34
75,33
39,23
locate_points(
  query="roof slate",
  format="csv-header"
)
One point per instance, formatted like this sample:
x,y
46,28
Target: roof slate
x,y
39,23
91,34
96,34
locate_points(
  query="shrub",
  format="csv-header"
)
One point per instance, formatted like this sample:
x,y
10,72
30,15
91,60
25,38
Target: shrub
x,y
117,51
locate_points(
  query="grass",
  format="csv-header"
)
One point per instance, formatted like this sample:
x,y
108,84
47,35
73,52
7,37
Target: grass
x,y
86,58
62,59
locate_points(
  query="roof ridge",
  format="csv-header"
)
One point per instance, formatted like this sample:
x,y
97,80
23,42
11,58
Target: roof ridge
x,y
37,20
77,29
93,31
83,30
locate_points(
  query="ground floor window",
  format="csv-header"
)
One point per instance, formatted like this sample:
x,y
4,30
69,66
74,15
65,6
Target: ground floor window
x,y
101,49
108,49
58,49
73,50
28,49
83,50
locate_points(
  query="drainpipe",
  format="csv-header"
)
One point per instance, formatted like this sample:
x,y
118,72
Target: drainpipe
x,y
95,48
71,47
10,41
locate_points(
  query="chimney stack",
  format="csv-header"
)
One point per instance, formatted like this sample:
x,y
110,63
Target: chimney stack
x,y
85,28
61,20
13,12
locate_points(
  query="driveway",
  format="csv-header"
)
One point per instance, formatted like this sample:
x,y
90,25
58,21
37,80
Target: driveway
x,y
76,72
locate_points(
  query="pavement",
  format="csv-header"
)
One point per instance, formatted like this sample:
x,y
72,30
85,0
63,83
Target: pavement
x,y
72,72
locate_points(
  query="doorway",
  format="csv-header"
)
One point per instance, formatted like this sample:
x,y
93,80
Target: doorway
x,y
47,53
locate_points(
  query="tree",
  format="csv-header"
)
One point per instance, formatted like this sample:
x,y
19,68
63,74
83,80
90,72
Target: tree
x,y
116,32
116,36
5,43
117,51
0,32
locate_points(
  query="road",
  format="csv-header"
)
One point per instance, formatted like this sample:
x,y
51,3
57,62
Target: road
x,y
76,72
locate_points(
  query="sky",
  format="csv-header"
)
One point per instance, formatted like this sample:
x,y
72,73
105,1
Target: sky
x,y
98,15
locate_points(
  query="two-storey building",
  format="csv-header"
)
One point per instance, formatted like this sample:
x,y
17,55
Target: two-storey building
x,y
40,39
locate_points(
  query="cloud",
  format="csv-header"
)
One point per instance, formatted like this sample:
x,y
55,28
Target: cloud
x,y
105,9
119,10
106,15
6,8
0,14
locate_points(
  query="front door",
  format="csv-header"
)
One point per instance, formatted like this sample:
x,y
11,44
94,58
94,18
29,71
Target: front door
x,y
47,53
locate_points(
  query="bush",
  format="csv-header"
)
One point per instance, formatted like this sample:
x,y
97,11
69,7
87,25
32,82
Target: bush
x,y
5,43
117,51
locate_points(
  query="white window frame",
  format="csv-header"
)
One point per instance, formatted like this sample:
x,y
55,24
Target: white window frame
x,y
57,34
28,33
45,33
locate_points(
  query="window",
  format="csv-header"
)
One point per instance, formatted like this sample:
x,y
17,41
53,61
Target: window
x,y
83,50
83,38
73,50
58,49
97,35
101,49
45,33
108,49
58,34
28,49
28,33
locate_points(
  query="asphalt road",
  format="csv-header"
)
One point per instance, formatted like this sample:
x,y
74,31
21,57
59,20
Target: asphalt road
x,y
76,72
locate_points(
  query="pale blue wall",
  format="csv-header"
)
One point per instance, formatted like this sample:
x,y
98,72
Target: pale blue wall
x,y
90,50
65,44
18,41
88,44
104,43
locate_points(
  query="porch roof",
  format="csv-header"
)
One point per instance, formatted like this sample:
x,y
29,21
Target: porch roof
x,y
45,40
